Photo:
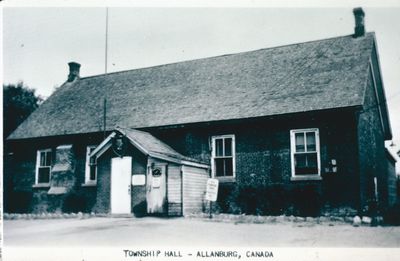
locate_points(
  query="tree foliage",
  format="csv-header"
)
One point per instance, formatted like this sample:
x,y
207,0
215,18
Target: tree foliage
x,y
19,101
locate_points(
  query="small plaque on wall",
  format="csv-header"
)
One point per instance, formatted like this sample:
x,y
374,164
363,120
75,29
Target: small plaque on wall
x,y
138,180
156,182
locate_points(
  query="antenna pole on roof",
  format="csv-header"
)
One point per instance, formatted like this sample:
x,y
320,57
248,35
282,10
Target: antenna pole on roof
x,y
104,117
106,49
105,72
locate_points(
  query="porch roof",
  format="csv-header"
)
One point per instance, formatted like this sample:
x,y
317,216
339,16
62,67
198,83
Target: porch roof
x,y
148,145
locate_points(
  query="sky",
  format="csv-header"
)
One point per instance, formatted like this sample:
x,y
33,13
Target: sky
x,y
38,42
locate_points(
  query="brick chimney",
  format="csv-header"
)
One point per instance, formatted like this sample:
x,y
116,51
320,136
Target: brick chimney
x,y
73,71
359,29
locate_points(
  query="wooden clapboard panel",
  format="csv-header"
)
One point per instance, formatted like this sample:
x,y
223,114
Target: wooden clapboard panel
x,y
194,187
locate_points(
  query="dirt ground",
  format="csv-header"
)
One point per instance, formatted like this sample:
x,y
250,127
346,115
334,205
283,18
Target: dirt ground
x,y
188,232
194,239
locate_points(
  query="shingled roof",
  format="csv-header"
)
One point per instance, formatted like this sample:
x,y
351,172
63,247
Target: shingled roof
x,y
317,75
152,146
149,145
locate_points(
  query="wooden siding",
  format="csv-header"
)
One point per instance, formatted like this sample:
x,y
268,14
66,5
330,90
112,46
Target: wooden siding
x,y
194,188
174,190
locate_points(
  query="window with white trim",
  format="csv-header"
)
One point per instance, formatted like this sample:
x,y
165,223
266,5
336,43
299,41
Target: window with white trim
x,y
305,153
43,166
223,156
91,166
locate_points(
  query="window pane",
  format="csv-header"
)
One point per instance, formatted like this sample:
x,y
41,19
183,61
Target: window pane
x,y
43,158
312,160
219,167
228,167
311,141
299,142
306,164
48,158
219,147
44,175
300,160
93,172
228,147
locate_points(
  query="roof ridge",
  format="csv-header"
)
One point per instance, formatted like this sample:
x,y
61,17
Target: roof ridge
x,y
298,78
174,154
222,55
150,134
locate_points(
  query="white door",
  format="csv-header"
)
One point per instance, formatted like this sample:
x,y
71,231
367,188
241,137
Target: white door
x,y
121,169
156,195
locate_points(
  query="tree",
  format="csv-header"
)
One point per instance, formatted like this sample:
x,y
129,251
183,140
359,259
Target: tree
x,y
19,101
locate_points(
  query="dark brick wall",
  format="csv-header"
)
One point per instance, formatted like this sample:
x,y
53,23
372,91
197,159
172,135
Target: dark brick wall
x,y
24,162
139,166
19,173
263,153
88,194
371,150
103,183
23,197
262,158
8,167
392,181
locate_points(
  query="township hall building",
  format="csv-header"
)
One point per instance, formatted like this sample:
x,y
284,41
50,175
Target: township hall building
x,y
289,129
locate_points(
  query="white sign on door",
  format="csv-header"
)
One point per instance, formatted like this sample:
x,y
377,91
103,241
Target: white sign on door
x,y
212,189
156,182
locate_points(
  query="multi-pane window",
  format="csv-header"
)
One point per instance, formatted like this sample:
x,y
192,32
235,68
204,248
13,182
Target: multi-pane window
x,y
91,166
223,156
305,152
43,166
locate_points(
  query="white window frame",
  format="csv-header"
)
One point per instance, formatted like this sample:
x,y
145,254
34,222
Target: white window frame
x,y
213,153
87,166
311,176
38,152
